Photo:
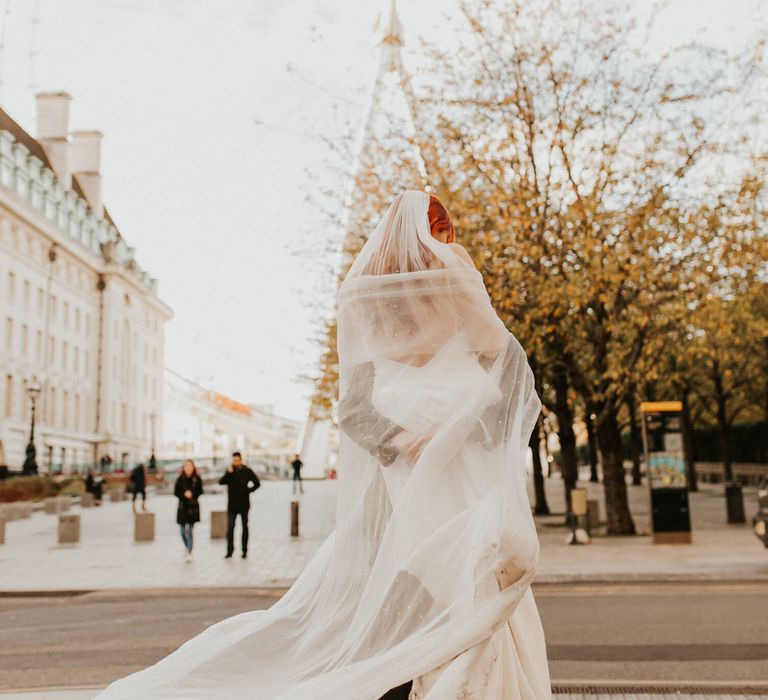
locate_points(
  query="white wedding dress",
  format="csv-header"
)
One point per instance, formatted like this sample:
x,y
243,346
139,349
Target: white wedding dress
x,y
427,575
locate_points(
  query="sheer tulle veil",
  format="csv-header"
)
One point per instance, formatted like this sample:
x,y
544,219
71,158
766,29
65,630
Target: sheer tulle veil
x,y
427,575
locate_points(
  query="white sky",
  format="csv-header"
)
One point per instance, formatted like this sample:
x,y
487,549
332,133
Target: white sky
x,y
215,114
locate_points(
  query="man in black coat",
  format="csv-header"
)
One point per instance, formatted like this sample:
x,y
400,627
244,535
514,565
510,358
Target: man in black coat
x,y
138,480
241,482
297,464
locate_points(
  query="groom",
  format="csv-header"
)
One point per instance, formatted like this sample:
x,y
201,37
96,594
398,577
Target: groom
x,y
241,482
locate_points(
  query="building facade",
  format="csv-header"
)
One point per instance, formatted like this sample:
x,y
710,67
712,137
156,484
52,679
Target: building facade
x,y
208,426
79,319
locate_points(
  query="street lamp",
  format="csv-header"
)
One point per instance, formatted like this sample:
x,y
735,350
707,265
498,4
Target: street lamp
x,y
30,463
152,459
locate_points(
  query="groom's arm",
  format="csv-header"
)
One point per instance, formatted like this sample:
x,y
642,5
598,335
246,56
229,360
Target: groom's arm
x,y
360,420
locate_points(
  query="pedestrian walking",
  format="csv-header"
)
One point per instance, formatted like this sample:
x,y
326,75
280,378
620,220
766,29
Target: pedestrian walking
x,y
139,486
188,489
94,484
297,464
241,482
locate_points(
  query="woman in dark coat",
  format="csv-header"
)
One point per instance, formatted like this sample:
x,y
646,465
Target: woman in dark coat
x,y
189,487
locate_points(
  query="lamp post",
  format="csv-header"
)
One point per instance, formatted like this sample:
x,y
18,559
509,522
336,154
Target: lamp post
x,y
152,459
30,463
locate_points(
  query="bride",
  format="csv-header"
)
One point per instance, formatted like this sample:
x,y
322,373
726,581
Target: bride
x,y
423,591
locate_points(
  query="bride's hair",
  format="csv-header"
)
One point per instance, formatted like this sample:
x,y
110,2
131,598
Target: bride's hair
x,y
440,219
408,237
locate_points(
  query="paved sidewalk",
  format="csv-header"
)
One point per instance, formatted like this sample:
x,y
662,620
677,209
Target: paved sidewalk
x,y
107,557
618,695
719,551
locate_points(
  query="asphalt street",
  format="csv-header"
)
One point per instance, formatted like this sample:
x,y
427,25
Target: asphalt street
x,y
595,632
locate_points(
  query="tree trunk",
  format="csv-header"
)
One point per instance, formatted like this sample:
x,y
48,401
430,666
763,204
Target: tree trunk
x,y
722,423
550,470
616,502
636,441
688,441
592,445
568,459
540,506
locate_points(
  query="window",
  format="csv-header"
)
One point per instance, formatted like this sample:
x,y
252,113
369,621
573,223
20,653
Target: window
x,y
9,334
77,412
51,351
77,320
76,360
66,314
11,286
27,293
9,396
87,323
64,355
40,301
24,339
54,308
39,345
65,410
52,407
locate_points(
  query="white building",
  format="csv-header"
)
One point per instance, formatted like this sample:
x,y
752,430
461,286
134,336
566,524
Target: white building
x,y
78,316
208,426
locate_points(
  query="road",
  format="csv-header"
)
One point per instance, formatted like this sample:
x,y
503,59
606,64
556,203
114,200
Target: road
x,y
628,632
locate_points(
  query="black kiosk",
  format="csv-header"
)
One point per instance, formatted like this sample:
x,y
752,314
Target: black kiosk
x,y
665,467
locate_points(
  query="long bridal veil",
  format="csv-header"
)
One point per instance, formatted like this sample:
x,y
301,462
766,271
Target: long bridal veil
x,y
427,574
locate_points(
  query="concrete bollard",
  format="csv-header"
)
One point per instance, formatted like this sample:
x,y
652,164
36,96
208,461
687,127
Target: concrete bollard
x,y
143,527
294,518
69,529
593,513
10,512
218,524
2,530
87,500
51,506
64,503
24,510
115,496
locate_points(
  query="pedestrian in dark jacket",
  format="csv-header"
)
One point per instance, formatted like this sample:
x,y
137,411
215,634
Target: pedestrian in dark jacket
x,y
297,464
189,487
241,482
94,483
138,479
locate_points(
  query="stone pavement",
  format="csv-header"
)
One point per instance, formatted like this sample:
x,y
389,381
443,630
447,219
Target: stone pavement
x,y
719,551
107,557
87,694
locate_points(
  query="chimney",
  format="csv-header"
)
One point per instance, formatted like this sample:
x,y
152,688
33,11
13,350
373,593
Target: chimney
x,y
52,130
86,166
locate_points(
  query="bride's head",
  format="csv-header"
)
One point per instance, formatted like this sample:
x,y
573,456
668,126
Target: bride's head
x,y
408,237
440,223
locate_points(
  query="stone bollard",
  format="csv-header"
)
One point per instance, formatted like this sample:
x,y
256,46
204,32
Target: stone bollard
x,y
56,504
2,530
10,512
87,500
24,510
593,513
294,518
69,529
143,527
218,524
51,506
118,494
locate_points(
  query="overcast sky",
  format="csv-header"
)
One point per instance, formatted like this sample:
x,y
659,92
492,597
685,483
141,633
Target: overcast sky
x,y
215,115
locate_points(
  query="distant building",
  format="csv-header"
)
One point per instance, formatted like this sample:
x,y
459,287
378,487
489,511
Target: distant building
x,y
208,426
78,316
